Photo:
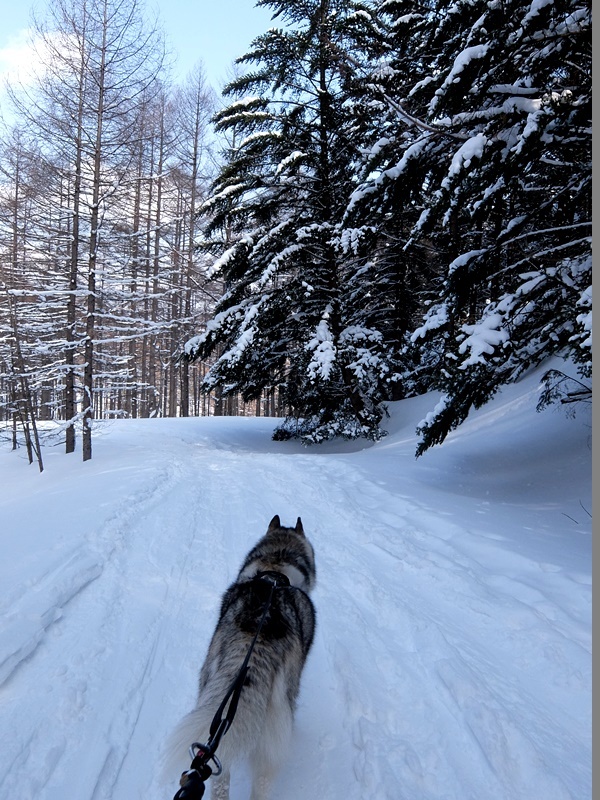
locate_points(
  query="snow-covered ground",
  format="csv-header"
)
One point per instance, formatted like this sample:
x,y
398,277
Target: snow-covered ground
x,y
453,653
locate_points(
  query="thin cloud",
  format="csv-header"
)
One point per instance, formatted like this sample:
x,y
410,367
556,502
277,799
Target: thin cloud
x,y
23,59
16,57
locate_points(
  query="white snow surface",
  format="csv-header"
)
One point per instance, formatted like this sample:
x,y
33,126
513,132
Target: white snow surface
x,y
453,653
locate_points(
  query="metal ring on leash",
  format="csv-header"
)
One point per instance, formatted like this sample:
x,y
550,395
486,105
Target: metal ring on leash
x,y
197,748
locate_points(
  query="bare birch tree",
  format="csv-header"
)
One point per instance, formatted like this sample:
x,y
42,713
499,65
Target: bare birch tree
x,y
101,63
195,106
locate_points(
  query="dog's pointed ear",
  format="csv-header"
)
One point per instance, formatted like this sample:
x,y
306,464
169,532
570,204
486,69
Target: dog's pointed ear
x,y
299,528
274,524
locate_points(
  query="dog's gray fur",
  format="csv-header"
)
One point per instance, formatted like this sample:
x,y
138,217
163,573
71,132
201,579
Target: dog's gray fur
x,y
262,726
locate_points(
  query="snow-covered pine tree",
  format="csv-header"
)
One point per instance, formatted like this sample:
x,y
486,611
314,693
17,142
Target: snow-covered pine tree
x,y
392,187
518,191
274,227
502,167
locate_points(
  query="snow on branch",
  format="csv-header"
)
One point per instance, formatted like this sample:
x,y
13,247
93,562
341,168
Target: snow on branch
x,y
227,256
235,188
463,259
463,158
483,338
463,59
289,161
324,350
436,318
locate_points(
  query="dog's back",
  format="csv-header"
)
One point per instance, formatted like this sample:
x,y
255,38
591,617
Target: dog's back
x,y
263,720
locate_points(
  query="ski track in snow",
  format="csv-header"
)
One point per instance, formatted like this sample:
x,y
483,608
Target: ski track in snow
x,y
40,605
109,642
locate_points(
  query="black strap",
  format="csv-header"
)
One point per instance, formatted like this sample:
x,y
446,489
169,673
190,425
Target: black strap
x,y
192,782
220,726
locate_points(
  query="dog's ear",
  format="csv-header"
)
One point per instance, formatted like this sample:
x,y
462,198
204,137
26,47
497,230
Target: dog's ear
x,y
275,524
299,528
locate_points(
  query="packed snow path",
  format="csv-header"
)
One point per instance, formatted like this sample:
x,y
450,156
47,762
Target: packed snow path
x,y
452,657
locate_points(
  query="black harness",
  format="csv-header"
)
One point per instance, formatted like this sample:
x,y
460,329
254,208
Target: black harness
x,y
193,780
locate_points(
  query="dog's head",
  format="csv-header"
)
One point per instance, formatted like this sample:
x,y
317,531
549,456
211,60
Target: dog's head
x,y
285,550
275,526
289,551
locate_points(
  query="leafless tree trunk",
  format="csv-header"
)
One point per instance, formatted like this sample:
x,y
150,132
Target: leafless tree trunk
x,y
195,106
70,377
27,415
88,370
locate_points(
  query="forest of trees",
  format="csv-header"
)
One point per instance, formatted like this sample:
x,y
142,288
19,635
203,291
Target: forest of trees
x,y
390,197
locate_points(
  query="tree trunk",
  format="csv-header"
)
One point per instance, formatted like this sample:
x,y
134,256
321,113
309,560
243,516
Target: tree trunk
x,y
133,285
28,419
70,397
88,374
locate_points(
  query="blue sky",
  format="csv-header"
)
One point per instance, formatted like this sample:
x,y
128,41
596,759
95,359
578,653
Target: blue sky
x,y
213,31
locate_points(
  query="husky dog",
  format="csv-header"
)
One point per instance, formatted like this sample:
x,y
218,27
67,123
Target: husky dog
x,y
262,725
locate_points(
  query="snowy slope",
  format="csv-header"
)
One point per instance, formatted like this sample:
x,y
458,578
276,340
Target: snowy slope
x,y
453,654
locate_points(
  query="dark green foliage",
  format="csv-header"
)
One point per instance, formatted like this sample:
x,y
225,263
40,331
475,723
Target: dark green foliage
x,y
405,205
488,159
285,320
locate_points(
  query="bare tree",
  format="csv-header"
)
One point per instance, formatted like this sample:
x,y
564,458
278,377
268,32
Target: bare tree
x,y
101,64
186,175
23,406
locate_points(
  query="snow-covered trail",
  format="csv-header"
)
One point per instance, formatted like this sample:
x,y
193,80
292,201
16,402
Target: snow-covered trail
x,y
447,664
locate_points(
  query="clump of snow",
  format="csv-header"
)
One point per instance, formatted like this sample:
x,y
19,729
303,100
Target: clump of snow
x,y
463,158
461,62
258,136
482,339
439,407
323,351
221,262
350,238
436,318
463,259
289,161
535,8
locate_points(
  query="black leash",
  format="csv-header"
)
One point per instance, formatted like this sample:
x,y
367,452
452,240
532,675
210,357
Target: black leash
x,y
193,780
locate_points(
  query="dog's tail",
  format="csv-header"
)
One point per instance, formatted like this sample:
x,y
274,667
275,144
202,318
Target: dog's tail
x,y
261,729
176,757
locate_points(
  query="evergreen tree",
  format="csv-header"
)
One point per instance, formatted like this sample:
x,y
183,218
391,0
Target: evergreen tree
x,y
492,148
519,191
392,187
284,321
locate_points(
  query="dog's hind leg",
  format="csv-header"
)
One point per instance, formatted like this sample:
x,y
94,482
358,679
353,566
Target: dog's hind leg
x,y
261,786
273,742
220,786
